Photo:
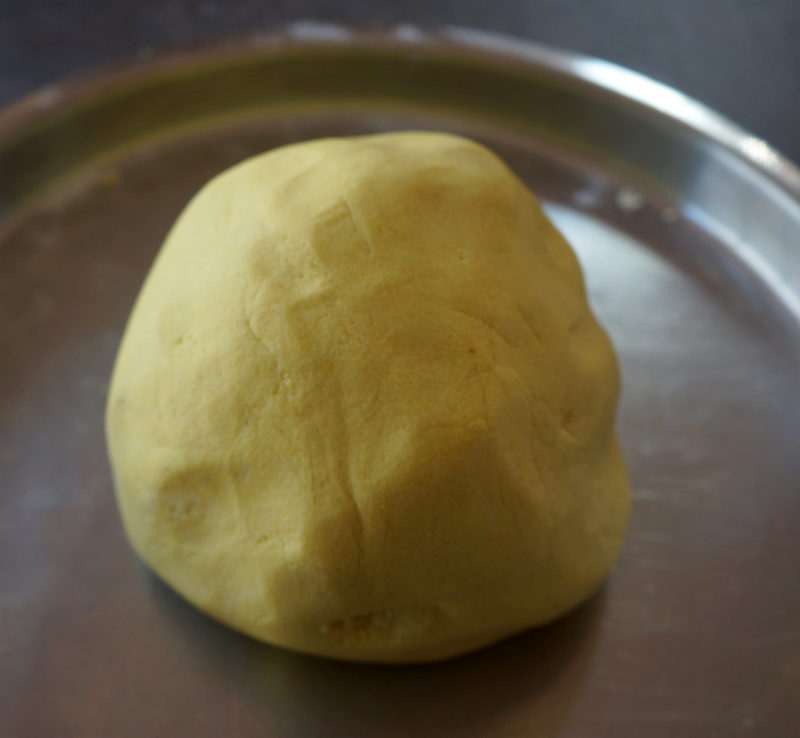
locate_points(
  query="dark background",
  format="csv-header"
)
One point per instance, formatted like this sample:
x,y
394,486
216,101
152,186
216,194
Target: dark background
x,y
741,57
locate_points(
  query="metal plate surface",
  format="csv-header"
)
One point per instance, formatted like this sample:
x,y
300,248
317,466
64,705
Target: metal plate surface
x,y
689,232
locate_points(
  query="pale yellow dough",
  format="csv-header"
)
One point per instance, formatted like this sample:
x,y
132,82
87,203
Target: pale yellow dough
x,y
362,408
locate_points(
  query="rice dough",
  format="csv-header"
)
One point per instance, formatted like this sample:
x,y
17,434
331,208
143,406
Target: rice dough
x,y
362,408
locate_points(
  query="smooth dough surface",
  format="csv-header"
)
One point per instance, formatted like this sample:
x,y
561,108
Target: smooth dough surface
x,y
362,408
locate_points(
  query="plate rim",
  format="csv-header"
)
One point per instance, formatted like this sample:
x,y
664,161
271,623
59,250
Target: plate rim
x,y
590,71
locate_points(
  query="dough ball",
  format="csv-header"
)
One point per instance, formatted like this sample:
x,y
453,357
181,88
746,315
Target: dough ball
x,y
362,408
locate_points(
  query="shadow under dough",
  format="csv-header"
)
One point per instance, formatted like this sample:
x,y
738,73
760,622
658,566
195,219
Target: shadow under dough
x,y
530,679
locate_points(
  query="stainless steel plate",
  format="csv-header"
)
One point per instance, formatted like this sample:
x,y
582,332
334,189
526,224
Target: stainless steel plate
x,y
689,230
